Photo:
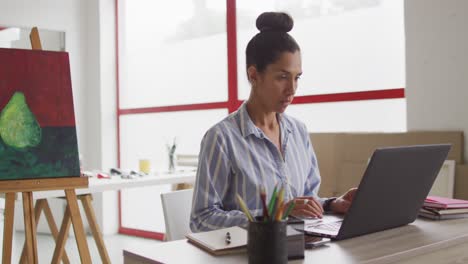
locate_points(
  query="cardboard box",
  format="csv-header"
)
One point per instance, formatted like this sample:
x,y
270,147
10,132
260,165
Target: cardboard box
x,y
326,149
361,146
461,182
343,157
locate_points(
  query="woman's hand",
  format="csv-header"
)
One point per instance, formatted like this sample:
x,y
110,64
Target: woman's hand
x,y
306,207
341,204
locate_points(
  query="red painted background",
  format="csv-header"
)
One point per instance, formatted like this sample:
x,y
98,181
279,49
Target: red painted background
x,y
44,78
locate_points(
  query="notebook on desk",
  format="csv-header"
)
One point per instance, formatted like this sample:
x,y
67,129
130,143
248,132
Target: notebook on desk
x,y
214,242
391,192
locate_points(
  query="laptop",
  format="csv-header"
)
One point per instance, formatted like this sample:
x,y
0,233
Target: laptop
x,y
391,192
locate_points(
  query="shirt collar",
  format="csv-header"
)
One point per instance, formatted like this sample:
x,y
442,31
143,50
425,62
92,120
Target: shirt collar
x,y
246,124
284,124
248,127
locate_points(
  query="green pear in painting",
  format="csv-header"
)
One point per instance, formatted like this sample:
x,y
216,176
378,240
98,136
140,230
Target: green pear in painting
x,y
18,126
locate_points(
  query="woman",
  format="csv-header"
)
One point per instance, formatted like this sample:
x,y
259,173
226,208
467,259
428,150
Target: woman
x,y
259,145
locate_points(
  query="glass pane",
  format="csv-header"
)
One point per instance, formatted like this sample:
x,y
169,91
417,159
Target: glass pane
x,y
144,136
172,52
142,208
346,45
387,115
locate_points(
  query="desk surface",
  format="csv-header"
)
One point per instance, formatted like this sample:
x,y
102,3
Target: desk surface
x,y
412,243
117,183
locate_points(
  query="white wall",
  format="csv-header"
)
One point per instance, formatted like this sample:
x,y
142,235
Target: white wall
x,y
437,65
107,209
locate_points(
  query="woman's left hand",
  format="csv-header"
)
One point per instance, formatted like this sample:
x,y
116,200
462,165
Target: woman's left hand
x,y
341,204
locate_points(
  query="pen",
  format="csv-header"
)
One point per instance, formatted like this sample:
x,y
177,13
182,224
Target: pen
x,y
228,238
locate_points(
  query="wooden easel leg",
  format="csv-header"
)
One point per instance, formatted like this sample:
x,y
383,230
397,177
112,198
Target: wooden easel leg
x,y
30,228
43,205
53,228
8,227
37,215
33,228
62,237
78,226
86,200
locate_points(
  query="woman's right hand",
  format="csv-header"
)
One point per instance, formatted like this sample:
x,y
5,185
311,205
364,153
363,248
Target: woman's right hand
x,y
306,206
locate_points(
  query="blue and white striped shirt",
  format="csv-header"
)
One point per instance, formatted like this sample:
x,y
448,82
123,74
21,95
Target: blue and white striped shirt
x,y
237,157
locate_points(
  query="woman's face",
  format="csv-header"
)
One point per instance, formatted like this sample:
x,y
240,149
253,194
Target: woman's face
x,y
276,85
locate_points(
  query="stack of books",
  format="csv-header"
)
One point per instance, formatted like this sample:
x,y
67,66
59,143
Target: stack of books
x,y
439,208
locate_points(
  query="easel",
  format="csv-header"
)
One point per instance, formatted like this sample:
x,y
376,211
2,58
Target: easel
x,y
61,237
31,214
27,187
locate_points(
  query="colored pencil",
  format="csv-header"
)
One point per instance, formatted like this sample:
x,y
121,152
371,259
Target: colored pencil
x,y
272,200
279,213
263,198
290,208
244,207
279,204
275,204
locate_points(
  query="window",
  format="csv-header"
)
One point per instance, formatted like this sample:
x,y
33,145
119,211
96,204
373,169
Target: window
x,y
182,64
171,76
347,47
170,53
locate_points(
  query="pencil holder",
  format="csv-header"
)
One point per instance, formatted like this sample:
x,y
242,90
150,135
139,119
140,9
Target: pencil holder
x,y
267,242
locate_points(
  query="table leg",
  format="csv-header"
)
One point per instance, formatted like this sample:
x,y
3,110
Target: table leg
x,y
78,226
8,227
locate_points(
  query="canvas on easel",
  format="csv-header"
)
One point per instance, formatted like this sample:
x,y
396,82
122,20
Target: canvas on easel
x,y
38,150
37,123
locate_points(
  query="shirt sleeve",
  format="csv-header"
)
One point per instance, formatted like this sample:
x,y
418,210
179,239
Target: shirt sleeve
x,y
214,171
313,180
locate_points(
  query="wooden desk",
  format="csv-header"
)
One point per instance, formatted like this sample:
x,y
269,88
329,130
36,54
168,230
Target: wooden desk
x,y
423,241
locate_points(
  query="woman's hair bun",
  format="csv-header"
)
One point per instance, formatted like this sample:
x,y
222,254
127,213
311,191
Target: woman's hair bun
x,y
274,21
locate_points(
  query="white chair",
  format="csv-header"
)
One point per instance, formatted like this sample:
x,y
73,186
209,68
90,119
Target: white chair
x,y
176,207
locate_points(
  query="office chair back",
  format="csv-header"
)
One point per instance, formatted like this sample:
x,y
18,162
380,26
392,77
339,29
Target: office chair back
x,y
176,207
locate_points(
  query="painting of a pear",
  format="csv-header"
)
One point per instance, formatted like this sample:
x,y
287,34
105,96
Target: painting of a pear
x,y
37,120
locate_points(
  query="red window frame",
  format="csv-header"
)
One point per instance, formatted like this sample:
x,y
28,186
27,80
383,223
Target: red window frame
x,y
232,102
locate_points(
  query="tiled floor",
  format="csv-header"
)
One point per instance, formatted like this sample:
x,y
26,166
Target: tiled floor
x,y
45,243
